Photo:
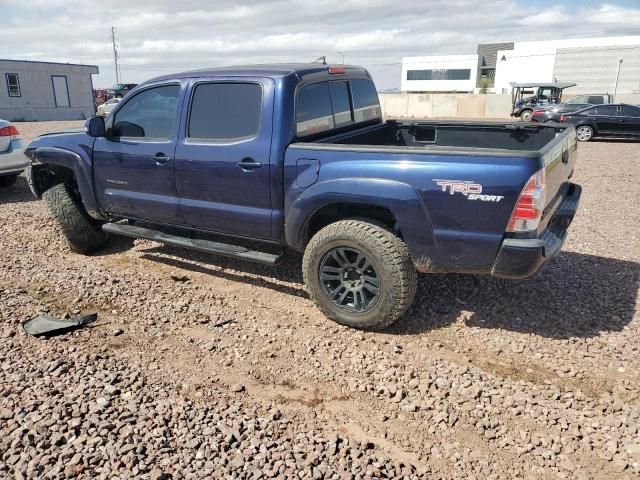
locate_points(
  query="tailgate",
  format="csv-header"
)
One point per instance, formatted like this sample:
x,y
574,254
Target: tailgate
x,y
559,159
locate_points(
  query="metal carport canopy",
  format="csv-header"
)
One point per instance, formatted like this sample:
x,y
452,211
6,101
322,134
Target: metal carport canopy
x,y
552,85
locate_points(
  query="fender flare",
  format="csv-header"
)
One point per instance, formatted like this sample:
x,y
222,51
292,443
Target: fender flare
x,y
81,168
399,198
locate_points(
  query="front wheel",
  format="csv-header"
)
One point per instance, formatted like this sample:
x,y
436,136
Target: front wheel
x,y
584,133
83,234
359,274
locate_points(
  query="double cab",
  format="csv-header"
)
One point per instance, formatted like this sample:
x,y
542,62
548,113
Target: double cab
x,y
248,162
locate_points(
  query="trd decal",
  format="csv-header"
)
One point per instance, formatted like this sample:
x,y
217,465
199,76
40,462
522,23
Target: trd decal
x,y
473,191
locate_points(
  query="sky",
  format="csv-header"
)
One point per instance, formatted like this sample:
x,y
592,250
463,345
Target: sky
x,y
156,37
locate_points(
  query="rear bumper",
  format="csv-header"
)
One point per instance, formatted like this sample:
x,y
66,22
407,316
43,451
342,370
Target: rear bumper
x,y
13,162
521,258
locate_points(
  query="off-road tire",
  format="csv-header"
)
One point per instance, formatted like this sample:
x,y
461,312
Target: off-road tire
x,y
83,234
386,252
8,180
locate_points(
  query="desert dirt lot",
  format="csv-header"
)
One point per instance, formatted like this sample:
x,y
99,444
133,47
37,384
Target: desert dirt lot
x,y
204,367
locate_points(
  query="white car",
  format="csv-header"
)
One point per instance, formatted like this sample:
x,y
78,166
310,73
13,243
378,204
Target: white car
x,y
106,107
13,161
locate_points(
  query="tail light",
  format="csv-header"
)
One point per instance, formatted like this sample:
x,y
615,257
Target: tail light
x,y
563,118
10,131
527,213
336,70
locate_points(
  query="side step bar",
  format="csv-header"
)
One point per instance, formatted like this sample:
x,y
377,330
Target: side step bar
x,y
207,246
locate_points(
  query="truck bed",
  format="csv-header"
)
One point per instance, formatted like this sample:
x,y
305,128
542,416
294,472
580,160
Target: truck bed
x,y
438,135
420,162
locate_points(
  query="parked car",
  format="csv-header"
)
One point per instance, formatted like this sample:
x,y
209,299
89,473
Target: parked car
x,y
543,94
298,157
106,107
119,90
551,113
12,158
614,120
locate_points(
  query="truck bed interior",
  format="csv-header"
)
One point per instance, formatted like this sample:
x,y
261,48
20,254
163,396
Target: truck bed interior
x,y
494,136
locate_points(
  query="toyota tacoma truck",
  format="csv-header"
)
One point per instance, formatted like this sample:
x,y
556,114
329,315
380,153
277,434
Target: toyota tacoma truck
x,y
299,157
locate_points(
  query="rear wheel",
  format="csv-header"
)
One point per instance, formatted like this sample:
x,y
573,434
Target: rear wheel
x,y
83,234
8,180
584,133
359,274
526,115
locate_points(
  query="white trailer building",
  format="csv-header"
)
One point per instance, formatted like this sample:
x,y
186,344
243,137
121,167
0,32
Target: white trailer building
x,y
46,90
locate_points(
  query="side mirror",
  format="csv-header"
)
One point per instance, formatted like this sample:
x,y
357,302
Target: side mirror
x,y
95,127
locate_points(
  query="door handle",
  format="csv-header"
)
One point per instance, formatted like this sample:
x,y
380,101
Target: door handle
x,y
248,164
160,158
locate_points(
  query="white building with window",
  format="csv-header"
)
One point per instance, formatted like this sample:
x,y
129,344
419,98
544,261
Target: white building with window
x,y
439,73
591,63
46,91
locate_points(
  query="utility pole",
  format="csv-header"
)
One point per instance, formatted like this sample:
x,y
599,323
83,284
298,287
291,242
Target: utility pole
x,y
615,88
115,53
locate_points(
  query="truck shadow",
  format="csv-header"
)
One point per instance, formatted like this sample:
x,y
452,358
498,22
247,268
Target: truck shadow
x,y
17,193
576,295
615,140
285,278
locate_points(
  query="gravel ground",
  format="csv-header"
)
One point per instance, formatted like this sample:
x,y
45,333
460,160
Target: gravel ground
x,y
201,367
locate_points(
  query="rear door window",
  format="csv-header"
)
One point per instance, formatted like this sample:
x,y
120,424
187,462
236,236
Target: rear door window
x,y
341,103
365,100
225,112
629,111
313,110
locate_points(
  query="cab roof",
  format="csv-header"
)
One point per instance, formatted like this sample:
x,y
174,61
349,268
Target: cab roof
x,y
267,70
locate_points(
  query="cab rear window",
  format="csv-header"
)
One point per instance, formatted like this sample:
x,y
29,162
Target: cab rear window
x,y
321,107
365,100
314,112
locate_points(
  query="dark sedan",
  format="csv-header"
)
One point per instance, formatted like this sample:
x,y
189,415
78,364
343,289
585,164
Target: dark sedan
x,y
614,120
551,113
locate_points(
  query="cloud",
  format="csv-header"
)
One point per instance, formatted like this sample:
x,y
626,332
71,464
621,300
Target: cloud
x,y
160,36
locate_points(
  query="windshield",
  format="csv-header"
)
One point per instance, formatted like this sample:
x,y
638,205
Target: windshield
x,y
116,86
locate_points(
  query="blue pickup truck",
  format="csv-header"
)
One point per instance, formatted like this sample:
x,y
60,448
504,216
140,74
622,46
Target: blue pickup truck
x,y
298,157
